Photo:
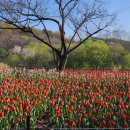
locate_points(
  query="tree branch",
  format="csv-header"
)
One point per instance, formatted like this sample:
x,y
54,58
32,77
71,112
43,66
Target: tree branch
x,y
84,40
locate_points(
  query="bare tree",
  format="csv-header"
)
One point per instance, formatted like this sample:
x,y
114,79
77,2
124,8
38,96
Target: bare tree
x,y
85,18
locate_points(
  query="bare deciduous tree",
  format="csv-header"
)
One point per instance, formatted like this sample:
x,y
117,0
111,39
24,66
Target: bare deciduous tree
x,y
85,18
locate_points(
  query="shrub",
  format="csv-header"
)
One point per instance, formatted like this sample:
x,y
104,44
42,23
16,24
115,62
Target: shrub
x,y
3,65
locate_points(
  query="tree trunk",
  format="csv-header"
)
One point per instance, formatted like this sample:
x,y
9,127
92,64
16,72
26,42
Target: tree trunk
x,y
62,62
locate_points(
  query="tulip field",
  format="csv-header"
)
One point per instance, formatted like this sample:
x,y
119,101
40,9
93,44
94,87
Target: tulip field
x,y
72,99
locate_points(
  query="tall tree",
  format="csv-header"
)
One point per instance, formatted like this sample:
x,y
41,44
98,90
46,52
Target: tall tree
x,y
85,18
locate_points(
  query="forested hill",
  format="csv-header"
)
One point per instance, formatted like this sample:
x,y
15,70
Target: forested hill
x,y
112,41
125,44
10,38
20,49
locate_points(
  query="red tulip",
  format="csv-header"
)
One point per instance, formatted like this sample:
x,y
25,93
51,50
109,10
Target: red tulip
x,y
90,106
18,119
78,106
85,116
12,101
79,119
126,125
1,91
100,117
128,118
109,115
52,101
116,113
1,114
104,123
68,103
26,108
25,114
123,117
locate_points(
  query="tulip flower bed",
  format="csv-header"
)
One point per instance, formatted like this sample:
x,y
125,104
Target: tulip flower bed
x,y
75,99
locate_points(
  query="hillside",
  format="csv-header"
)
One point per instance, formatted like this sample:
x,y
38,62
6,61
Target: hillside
x,y
125,44
112,41
11,38
20,49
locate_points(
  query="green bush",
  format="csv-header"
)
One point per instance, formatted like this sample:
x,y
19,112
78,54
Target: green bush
x,y
3,54
14,60
91,55
37,55
126,64
4,66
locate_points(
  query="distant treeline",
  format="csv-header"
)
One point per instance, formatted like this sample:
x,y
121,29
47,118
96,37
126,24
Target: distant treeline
x,y
91,55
